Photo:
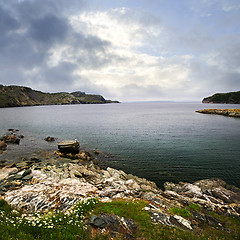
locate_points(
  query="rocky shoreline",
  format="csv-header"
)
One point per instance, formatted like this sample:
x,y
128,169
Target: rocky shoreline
x,y
224,112
53,180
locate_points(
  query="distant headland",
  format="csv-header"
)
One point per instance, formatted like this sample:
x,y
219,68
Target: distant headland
x,y
18,96
230,98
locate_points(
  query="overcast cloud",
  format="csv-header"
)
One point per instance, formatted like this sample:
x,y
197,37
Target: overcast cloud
x,y
125,50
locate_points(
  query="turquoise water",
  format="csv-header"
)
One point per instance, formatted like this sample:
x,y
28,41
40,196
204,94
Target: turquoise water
x,y
158,141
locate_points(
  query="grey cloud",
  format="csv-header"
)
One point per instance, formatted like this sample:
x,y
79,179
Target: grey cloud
x,y
29,9
7,22
62,73
229,53
31,28
48,29
59,78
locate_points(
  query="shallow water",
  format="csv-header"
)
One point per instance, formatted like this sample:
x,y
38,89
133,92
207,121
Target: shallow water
x,y
158,141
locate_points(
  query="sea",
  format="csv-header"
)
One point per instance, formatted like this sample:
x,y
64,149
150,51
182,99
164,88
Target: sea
x,y
157,141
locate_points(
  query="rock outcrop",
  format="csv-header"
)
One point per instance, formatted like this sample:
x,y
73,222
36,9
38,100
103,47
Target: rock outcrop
x,y
114,225
57,181
224,112
10,137
69,146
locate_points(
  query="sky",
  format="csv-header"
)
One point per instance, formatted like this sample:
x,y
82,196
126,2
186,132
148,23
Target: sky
x,y
126,50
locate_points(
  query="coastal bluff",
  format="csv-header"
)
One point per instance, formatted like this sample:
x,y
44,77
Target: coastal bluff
x,y
18,96
225,112
228,98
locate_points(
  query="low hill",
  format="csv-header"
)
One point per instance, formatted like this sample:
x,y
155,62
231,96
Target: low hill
x,y
230,98
17,96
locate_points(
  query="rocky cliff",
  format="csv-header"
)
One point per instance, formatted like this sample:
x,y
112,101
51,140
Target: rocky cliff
x,y
16,96
230,98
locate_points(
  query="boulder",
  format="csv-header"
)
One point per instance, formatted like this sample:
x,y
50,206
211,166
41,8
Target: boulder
x,y
3,145
117,227
13,130
49,139
5,172
22,164
69,146
11,139
83,155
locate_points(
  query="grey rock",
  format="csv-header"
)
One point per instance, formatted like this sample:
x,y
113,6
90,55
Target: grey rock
x,y
18,176
148,195
200,217
159,217
97,221
22,174
27,178
26,172
69,146
12,138
10,165
115,225
84,155
22,164
35,160
49,139
213,221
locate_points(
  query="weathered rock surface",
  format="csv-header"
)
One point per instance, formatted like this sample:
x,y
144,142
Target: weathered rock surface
x,y
224,112
5,172
69,146
57,182
212,194
84,178
49,194
112,224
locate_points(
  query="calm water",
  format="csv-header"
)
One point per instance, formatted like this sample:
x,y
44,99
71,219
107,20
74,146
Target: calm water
x,y
158,141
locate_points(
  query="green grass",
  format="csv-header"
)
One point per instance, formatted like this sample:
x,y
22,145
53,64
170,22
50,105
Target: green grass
x,y
180,211
49,226
5,207
71,225
195,207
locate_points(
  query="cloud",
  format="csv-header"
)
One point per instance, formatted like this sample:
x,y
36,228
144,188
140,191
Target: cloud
x,y
210,6
124,53
39,43
48,29
7,22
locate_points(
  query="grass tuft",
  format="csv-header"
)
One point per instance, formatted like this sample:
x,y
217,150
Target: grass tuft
x,y
180,211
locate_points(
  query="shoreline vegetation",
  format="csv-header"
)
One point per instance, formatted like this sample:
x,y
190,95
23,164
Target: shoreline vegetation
x,y
66,194
19,96
225,112
222,98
